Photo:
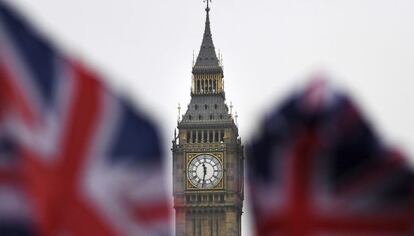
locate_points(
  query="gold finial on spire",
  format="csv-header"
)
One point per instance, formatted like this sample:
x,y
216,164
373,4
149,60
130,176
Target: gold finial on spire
x,y
236,116
193,60
219,56
179,112
208,6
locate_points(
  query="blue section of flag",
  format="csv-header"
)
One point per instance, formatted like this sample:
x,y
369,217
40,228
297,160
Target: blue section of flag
x,y
137,140
37,55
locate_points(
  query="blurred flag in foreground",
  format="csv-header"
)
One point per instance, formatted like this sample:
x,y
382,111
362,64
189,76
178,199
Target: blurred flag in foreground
x,y
74,158
318,168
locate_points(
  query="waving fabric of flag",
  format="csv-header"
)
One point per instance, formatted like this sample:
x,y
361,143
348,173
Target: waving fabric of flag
x,y
318,168
75,158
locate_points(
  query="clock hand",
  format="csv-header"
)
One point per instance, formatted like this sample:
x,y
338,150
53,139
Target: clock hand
x,y
204,169
204,174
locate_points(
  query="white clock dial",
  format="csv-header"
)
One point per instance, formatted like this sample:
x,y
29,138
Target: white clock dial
x,y
205,171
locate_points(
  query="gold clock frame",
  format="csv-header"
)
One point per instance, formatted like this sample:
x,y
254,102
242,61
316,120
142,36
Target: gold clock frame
x,y
190,156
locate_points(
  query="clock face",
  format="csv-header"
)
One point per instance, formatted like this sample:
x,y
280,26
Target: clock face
x,y
205,171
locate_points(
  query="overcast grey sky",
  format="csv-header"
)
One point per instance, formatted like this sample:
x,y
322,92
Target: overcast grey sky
x,y
144,49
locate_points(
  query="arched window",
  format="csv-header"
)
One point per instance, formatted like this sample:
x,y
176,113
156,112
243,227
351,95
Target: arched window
x,y
200,117
196,106
206,106
214,85
199,136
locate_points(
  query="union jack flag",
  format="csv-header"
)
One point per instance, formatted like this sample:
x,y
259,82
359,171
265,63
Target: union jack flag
x,y
84,161
318,168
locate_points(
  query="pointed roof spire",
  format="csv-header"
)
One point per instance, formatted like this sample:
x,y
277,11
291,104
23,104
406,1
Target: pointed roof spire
x,y
207,58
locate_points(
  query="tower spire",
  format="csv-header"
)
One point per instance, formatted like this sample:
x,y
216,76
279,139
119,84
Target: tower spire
x,y
207,58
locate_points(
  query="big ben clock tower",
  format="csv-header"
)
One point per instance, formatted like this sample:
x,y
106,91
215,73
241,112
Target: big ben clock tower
x,y
208,162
